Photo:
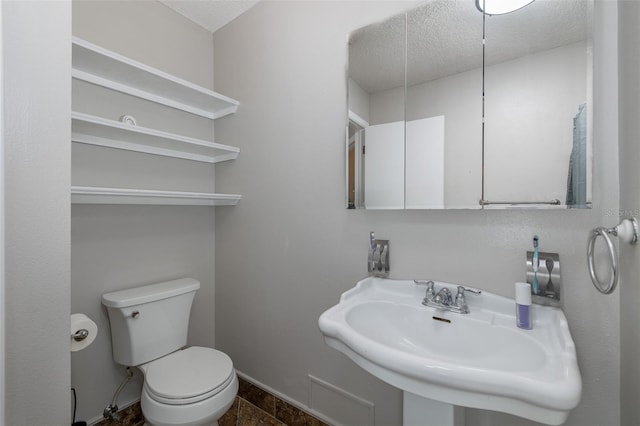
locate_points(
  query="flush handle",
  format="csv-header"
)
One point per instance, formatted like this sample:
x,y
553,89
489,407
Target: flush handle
x,y
135,314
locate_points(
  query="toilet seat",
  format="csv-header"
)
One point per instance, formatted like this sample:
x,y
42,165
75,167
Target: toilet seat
x,y
188,376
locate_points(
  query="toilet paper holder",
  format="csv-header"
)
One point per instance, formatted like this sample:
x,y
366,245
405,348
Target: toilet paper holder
x,y
83,332
80,335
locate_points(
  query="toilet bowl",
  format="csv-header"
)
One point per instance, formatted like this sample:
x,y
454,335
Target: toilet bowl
x,y
193,386
186,386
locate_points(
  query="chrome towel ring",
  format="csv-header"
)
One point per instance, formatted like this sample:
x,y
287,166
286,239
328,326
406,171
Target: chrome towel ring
x,y
627,230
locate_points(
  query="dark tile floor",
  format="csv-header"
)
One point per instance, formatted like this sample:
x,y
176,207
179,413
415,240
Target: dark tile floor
x,y
253,406
128,416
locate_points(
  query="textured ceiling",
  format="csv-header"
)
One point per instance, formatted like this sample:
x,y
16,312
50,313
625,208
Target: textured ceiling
x,y
210,14
444,37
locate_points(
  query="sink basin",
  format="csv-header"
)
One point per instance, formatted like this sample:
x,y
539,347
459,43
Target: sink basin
x,y
479,360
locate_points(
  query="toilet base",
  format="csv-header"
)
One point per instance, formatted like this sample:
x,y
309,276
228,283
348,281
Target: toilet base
x,y
201,413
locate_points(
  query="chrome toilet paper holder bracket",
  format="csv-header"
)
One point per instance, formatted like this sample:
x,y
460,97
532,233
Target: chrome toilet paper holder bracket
x,y
80,335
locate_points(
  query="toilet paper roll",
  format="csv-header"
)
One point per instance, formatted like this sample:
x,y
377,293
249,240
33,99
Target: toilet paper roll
x,y
83,332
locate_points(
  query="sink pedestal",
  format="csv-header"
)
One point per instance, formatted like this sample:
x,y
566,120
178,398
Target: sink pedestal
x,y
417,410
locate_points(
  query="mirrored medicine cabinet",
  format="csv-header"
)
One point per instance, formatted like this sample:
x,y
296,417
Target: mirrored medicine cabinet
x,y
451,108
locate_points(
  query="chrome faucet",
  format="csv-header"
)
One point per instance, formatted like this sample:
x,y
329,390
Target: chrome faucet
x,y
443,299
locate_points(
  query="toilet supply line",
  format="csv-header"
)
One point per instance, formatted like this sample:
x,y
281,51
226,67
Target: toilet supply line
x,y
111,412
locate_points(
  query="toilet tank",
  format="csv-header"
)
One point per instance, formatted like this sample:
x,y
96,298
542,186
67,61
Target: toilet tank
x,y
150,321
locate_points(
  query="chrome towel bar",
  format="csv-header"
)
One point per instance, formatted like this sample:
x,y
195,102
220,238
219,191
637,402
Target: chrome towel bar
x,y
554,202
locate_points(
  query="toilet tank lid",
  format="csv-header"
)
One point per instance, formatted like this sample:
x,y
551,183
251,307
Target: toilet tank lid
x,y
149,293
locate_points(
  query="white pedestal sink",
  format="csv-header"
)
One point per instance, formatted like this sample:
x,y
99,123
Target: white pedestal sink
x,y
445,360
417,410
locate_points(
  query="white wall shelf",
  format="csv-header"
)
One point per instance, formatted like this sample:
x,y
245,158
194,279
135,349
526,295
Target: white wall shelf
x,y
98,195
99,131
99,66
103,67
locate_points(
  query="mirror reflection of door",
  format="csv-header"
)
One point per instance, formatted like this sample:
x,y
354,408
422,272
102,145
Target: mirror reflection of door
x,y
384,166
424,163
376,95
351,188
355,163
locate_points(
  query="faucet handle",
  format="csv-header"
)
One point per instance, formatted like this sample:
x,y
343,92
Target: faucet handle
x,y
461,302
431,292
462,289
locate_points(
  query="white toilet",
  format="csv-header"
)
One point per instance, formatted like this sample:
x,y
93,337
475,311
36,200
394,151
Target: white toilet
x,y
182,386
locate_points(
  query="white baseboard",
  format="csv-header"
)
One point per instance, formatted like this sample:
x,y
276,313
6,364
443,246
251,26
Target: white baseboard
x,y
326,402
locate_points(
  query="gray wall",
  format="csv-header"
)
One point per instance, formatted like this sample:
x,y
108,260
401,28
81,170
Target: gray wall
x,y
290,248
37,100
629,60
114,247
149,32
